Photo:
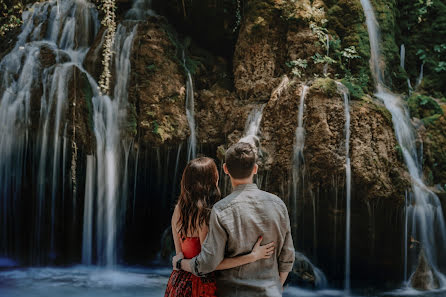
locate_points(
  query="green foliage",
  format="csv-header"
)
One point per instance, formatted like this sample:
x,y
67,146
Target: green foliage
x,y
429,121
320,32
155,127
10,16
422,107
192,65
422,25
399,152
320,59
151,67
356,92
297,66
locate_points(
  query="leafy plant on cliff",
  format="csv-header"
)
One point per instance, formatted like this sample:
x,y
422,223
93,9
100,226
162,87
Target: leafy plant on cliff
x,y
297,66
10,16
422,106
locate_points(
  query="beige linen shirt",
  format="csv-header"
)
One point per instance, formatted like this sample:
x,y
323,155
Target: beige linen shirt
x,y
235,224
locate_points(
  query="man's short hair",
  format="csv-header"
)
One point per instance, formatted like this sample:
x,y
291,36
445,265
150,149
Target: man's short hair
x,y
240,159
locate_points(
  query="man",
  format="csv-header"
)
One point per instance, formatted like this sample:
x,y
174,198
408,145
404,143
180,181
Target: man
x,y
235,224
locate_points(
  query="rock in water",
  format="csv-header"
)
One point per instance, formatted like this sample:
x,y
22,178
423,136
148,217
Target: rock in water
x,y
305,274
424,278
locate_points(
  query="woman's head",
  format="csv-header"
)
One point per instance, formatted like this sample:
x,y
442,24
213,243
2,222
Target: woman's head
x,y
199,193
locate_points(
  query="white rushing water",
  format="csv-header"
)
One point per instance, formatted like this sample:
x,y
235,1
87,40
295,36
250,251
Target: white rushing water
x,y
190,112
112,148
425,215
71,27
420,77
251,132
348,182
298,157
402,55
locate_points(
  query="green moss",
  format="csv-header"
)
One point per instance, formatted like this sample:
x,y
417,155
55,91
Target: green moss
x,y
422,106
155,127
346,25
151,67
399,153
356,92
325,85
429,121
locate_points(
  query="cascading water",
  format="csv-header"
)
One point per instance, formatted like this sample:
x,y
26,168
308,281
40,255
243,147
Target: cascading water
x,y
190,112
402,55
425,214
70,28
112,147
348,179
327,45
298,155
252,126
402,64
420,77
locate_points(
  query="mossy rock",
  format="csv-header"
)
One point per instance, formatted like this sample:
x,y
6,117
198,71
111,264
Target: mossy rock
x,y
325,85
422,106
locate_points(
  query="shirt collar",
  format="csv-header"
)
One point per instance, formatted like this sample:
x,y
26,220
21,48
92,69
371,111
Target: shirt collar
x,y
246,187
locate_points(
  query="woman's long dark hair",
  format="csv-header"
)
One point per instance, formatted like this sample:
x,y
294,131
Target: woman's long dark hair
x,y
199,193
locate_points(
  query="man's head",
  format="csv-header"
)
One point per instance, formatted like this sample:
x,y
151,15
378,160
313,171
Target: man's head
x,y
240,161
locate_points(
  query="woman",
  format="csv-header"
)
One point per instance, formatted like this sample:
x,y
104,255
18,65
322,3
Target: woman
x,y
199,192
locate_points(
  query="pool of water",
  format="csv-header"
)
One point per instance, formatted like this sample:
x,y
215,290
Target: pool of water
x,y
81,281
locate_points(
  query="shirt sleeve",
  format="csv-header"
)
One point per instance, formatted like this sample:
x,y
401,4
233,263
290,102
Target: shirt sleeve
x,y
213,248
287,254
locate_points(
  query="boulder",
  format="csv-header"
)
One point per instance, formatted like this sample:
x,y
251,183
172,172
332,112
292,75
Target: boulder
x,y
424,277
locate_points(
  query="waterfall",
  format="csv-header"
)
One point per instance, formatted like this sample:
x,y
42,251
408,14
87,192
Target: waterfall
x,y
420,77
425,214
402,55
348,178
71,27
87,240
252,126
327,45
298,156
190,112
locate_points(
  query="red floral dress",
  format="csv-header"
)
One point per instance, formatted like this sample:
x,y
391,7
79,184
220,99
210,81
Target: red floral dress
x,y
184,284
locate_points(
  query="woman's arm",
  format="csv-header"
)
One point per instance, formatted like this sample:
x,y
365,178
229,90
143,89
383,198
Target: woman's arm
x,y
257,253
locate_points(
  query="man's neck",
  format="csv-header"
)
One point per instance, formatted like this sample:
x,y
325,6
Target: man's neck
x,y
238,182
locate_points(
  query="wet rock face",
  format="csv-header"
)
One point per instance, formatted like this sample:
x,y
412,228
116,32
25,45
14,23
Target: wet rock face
x,y
260,51
424,278
157,86
377,170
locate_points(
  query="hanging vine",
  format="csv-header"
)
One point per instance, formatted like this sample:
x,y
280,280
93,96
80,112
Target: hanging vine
x,y
108,7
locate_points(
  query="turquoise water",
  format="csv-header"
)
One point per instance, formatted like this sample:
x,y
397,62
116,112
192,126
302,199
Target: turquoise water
x,y
82,281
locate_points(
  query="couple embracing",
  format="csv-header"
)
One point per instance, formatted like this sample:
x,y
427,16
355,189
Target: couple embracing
x,y
238,246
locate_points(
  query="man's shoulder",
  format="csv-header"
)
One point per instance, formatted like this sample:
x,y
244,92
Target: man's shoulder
x,y
225,202
231,199
274,198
